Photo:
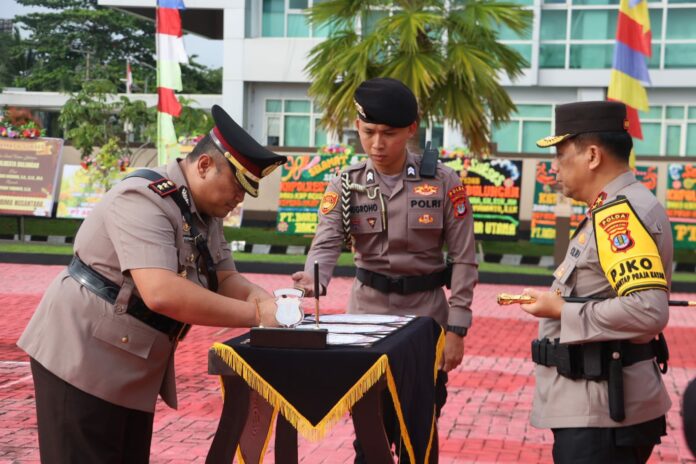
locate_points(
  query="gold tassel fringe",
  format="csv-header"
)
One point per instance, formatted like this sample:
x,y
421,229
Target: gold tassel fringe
x,y
296,419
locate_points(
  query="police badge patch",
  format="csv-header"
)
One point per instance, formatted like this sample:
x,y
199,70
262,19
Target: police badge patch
x,y
328,202
457,196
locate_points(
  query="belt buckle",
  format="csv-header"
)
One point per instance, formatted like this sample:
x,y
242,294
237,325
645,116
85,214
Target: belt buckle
x,y
396,285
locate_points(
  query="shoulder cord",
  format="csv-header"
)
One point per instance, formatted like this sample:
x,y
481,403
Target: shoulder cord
x,y
346,188
199,240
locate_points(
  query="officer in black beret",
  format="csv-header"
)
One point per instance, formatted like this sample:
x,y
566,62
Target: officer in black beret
x,y
598,386
397,217
150,260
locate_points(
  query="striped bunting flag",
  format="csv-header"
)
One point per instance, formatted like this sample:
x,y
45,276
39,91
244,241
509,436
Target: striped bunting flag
x,y
170,52
629,72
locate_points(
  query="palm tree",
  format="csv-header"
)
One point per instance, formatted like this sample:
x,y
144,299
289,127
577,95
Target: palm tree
x,y
446,51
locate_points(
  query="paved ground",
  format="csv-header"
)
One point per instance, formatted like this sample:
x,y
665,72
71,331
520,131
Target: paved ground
x,y
485,419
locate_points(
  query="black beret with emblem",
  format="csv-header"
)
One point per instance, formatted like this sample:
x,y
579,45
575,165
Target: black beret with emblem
x,y
250,161
583,117
387,101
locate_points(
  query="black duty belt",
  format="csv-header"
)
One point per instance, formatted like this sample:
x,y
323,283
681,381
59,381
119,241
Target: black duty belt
x,y
402,285
600,361
108,291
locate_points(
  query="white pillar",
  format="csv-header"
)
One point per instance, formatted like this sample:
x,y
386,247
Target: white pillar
x,y
233,59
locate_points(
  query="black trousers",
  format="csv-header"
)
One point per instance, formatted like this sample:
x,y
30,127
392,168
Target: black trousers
x,y
391,421
76,427
621,445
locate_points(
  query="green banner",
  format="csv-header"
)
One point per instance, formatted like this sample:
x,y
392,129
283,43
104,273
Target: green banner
x,y
493,187
303,181
681,204
543,223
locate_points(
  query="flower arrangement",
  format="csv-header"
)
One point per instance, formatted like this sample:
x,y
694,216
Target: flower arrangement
x,y
105,168
336,149
458,152
19,124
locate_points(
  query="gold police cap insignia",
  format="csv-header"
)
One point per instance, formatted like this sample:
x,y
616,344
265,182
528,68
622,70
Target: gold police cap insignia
x,y
552,140
359,108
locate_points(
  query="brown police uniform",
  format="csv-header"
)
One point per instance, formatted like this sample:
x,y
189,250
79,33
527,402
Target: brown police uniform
x,y
98,347
639,317
99,356
402,237
630,311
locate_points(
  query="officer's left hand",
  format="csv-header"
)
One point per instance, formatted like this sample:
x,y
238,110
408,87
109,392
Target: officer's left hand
x,y
454,351
547,304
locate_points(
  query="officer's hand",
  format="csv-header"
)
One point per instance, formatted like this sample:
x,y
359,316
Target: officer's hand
x,y
547,304
454,351
304,281
267,312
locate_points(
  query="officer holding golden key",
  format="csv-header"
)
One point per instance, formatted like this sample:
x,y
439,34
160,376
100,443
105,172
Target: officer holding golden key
x,y
598,360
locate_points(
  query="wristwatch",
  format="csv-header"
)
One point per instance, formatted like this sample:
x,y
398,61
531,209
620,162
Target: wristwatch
x,y
457,329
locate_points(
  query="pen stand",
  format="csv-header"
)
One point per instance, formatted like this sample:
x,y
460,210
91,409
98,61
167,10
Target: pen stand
x,y
289,314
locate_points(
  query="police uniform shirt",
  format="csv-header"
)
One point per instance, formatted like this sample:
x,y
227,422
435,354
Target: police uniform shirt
x,y
96,346
561,402
405,240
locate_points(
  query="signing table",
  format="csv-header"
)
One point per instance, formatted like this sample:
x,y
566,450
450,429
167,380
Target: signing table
x,y
308,391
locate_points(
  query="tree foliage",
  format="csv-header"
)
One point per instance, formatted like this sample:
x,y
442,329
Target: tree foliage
x,y
447,52
77,40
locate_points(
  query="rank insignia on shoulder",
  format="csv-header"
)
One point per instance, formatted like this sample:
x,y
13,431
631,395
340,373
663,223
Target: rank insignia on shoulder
x,y
328,202
370,177
163,187
457,196
185,195
410,171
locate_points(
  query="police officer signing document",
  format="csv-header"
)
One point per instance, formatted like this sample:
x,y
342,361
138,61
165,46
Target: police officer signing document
x,y
397,210
149,260
598,381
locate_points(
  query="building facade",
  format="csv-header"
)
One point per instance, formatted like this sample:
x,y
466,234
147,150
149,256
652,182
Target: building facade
x,y
569,50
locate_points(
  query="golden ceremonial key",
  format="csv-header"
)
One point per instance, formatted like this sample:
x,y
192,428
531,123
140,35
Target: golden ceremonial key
x,y
505,299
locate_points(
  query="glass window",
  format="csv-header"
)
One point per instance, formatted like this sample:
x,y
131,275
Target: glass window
x,y
505,33
591,56
298,25
299,4
371,18
692,112
596,2
535,111
319,134
654,60
552,56
680,55
437,135
273,18
675,112
297,106
533,131
673,140
593,24
553,24
650,145
690,140
273,131
655,112
680,23
655,22
506,135
523,49
274,106
296,131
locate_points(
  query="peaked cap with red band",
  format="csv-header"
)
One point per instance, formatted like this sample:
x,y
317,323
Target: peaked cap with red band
x,y
250,161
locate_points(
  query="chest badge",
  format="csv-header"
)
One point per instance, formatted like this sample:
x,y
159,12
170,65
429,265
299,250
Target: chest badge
x,y
426,219
582,238
372,222
426,190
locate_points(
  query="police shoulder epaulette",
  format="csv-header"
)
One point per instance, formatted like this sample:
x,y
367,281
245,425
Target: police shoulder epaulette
x,y
163,187
627,252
